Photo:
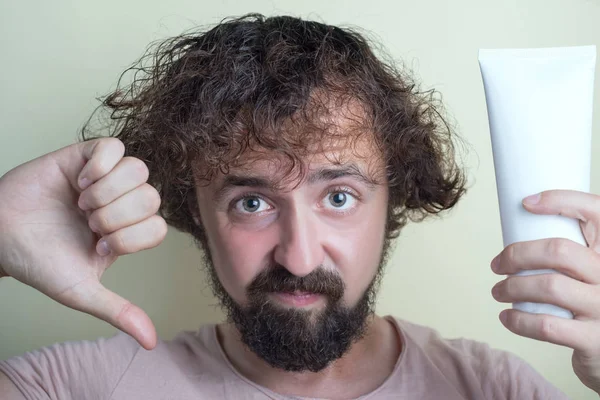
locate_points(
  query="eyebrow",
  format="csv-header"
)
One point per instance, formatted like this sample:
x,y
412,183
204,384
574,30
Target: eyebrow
x,y
319,175
348,170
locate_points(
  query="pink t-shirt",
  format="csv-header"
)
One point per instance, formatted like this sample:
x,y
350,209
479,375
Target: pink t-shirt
x,y
194,366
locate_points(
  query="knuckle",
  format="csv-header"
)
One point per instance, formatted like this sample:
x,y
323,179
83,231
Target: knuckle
x,y
551,284
126,309
137,165
100,220
547,328
161,227
117,243
99,167
115,144
559,248
101,162
152,199
96,198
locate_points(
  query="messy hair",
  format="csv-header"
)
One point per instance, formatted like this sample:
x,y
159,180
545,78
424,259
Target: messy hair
x,y
199,101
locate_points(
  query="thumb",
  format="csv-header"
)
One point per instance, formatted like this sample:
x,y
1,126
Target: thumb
x,y
93,298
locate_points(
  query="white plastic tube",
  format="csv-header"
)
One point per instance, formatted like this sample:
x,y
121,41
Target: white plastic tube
x,y
539,104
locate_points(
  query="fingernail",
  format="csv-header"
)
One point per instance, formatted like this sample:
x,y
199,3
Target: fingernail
x,y
103,248
84,183
533,199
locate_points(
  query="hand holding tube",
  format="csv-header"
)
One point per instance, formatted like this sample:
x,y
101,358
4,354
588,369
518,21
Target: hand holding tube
x,y
576,289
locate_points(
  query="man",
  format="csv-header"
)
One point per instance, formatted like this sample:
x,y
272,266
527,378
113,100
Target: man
x,y
293,156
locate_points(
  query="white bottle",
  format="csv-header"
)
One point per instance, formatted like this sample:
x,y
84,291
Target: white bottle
x,y
539,104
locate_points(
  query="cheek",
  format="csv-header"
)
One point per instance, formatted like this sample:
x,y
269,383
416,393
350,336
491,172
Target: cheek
x,y
357,253
238,256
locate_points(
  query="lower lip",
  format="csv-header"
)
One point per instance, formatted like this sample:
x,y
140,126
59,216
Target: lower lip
x,y
298,299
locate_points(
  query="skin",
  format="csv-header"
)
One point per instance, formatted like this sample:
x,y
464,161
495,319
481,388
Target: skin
x,y
578,290
297,226
53,210
46,207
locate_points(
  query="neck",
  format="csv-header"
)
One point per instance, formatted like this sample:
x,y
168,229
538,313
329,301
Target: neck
x,y
361,370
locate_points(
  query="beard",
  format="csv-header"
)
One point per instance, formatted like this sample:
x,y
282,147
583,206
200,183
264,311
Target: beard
x,y
297,339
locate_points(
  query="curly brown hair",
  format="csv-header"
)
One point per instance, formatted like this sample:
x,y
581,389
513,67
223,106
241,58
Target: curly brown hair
x,y
207,97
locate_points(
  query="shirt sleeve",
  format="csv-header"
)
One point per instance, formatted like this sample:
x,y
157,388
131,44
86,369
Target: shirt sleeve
x,y
72,370
509,377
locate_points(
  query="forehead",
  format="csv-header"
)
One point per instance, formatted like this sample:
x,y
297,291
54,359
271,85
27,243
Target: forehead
x,y
358,153
333,131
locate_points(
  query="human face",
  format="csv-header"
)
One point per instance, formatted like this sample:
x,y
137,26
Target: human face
x,y
334,219
296,265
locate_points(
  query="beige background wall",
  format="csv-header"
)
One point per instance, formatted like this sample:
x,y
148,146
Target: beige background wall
x,y
56,57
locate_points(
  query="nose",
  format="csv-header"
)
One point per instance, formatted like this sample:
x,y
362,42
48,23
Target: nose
x,y
299,249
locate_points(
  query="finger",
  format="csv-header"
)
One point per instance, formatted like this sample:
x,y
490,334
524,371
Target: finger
x,y
571,333
580,298
91,297
129,209
569,203
127,175
101,156
91,159
571,258
141,236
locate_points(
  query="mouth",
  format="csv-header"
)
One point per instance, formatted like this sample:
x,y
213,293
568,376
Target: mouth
x,y
297,299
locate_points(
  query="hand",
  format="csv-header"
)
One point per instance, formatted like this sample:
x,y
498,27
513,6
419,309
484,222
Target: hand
x,y
50,227
577,291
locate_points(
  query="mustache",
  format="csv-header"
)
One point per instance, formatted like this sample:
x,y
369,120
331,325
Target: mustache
x,y
279,279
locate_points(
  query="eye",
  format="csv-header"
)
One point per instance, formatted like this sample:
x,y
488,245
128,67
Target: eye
x,y
337,199
251,205
340,200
